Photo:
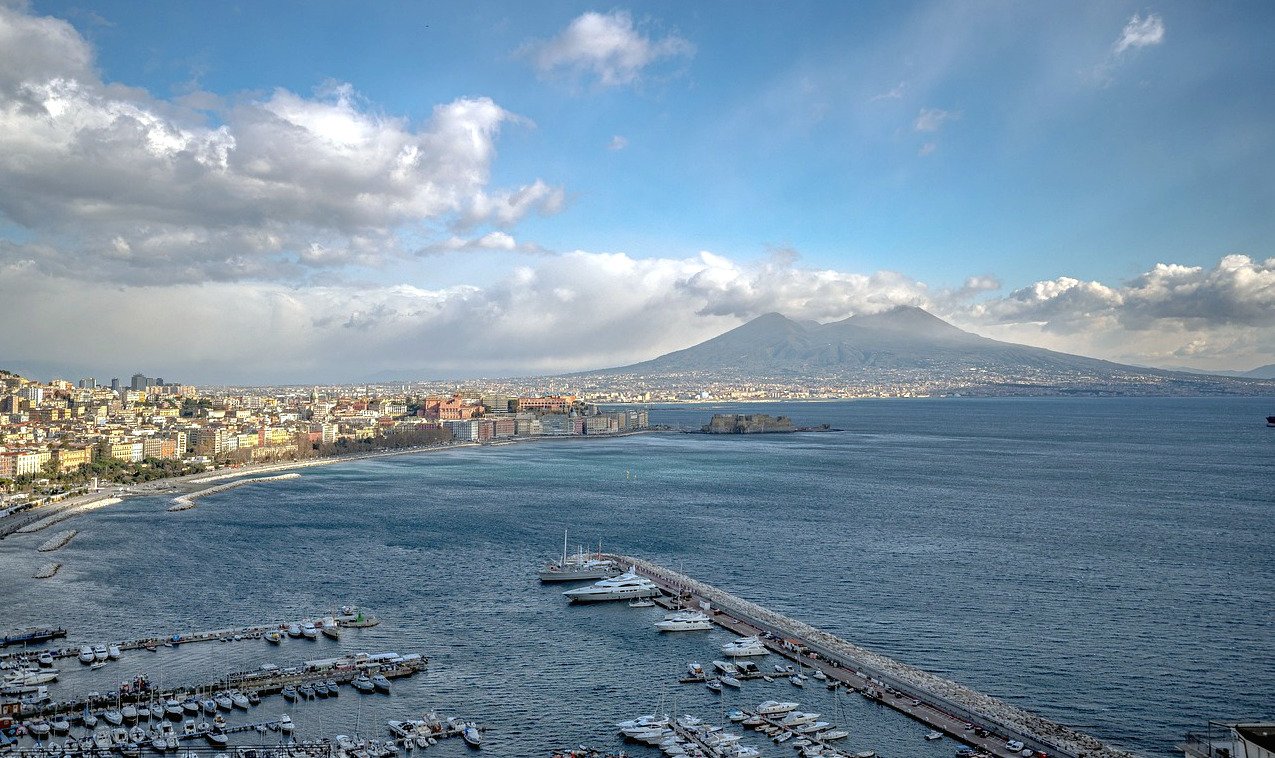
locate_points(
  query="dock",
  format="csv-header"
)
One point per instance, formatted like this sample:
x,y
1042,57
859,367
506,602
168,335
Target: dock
x,y
268,680
355,620
959,712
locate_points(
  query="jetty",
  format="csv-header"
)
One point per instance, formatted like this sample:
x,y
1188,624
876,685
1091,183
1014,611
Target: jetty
x,y
972,717
266,680
57,541
349,617
187,501
66,513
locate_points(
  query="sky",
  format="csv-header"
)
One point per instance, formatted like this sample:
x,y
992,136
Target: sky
x,y
321,192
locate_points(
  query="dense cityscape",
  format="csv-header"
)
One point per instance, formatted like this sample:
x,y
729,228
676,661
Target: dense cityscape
x,y
56,437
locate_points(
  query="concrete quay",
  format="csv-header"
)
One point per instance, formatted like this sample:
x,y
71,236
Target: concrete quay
x,y
939,703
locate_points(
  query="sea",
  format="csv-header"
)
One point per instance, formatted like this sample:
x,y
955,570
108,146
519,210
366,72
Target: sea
x,y
1106,562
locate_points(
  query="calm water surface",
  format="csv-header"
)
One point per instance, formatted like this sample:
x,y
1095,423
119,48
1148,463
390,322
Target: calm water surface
x,y
1106,562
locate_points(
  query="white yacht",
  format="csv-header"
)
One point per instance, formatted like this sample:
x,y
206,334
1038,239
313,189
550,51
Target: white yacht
x,y
776,707
113,652
99,652
745,647
624,587
684,621
86,654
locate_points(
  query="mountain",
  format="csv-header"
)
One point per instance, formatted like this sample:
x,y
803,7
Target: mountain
x,y
906,345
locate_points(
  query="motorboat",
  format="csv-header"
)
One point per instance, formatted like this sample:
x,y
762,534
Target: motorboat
x,y
380,682
137,734
309,631
289,693
730,681
834,734
776,707
216,738
797,681
744,647
45,659
725,668
189,728
813,727
333,688
294,630
254,698
624,587
239,700
321,689
797,718
331,631
285,724
643,602
113,717
59,725
86,654
695,670
129,712
472,736
684,621
223,701
714,684
273,636
306,691
100,653
208,705
102,739
88,719
820,675
934,734
157,710
112,652
173,709
363,683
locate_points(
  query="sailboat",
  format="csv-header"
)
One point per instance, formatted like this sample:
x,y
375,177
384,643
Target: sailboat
x,y
579,567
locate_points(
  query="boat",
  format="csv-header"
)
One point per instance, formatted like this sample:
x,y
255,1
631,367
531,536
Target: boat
x,y
797,681
239,700
216,738
222,700
695,670
714,684
97,665
331,631
644,602
113,717
208,705
294,630
45,659
834,734
285,724
380,682
309,631
99,653
274,637
1270,420
580,567
744,647
137,735
624,587
321,689
776,707
306,691
363,683
86,654
820,675
59,725
472,736
730,681
333,690
129,712
113,652
87,718
289,693
173,709
157,709
725,668
32,637
684,621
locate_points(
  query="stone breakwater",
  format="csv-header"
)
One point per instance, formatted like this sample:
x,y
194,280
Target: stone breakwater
x,y
57,541
1062,739
187,501
63,515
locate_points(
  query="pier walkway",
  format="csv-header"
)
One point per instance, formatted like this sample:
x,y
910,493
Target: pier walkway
x,y
937,702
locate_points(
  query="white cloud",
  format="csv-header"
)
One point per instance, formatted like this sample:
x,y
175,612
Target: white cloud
x,y
1140,32
933,119
607,46
927,149
280,183
618,143
894,93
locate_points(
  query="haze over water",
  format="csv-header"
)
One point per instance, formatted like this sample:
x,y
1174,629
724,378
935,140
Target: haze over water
x,y
1105,562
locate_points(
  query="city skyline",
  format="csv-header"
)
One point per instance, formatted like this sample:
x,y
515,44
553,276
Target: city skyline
x,y
495,192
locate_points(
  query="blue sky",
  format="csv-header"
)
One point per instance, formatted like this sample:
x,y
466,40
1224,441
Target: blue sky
x,y
1020,143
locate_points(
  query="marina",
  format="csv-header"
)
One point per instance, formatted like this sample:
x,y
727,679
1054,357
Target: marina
x,y
976,719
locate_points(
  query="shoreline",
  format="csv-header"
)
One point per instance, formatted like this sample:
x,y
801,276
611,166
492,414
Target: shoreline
x,y
46,516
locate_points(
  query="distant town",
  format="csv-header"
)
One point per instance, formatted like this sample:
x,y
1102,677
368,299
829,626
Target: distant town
x,y
61,438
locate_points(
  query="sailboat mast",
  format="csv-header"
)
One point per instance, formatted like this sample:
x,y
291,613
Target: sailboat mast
x,y
564,548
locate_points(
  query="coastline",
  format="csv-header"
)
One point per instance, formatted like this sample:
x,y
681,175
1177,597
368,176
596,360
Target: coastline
x,y
43,517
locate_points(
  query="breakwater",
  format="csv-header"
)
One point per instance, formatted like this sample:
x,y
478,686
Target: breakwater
x,y
67,513
187,501
942,703
57,541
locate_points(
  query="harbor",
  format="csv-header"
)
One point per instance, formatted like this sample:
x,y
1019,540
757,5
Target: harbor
x,y
973,718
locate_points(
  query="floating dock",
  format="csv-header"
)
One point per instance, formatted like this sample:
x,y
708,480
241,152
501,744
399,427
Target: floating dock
x,y
187,501
957,711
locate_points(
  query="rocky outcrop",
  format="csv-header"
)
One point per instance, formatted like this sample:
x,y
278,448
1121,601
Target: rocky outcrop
x,y
756,423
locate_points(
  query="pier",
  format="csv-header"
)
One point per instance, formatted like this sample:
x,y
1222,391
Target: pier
x,y
974,718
